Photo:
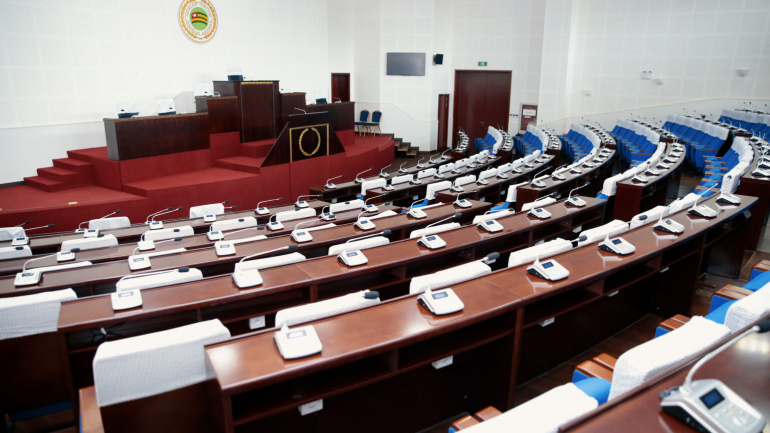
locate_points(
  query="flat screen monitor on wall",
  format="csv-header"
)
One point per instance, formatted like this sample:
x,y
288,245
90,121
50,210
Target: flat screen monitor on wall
x,y
406,64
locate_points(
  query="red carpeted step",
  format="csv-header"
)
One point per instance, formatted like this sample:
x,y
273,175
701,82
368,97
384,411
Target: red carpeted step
x,y
83,168
69,178
45,184
241,163
88,154
257,149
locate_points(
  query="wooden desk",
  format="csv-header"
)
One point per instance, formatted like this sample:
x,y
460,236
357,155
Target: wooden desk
x,y
122,251
742,369
632,197
595,175
260,107
102,277
756,186
50,243
139,137
224,113
341,115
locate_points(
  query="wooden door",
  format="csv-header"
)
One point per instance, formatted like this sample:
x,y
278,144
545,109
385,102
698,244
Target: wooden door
x,y
482,99
340,87
443,121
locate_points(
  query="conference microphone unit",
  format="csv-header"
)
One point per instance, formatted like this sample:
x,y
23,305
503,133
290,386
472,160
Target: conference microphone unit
x,y
156,225
576,201
20,241
301,204
261,210
244,278
330,185
356,257
358,176
433,241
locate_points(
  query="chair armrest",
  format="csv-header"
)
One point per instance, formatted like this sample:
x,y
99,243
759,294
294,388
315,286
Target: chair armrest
x,y
762,266
592,369
464,422
487,413
606,361
674,322
90,415
732,293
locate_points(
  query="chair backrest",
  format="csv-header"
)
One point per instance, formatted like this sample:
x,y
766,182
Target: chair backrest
x,y
546,249
363,244
447,277
109,223
15,252
649,359
269,262
542,414
234,224
152,280
465,180
613,228
207,209
101,241
134,374
401,179
493,216
426,173
433,230
376,116
8,233
169,233
537,203
346,205
372,184
748,310
21,316
322,309
433,188
363,116
492,172
651,215
446,167
291,215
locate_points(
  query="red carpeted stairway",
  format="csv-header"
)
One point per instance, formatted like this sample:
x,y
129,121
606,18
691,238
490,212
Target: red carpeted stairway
x,y
66,173
252,154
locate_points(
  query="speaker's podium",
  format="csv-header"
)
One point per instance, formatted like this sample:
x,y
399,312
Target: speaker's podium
x,y
305,153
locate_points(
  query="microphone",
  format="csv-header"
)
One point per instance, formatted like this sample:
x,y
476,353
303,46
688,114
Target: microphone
x,y
432,241
147,220
415,212
444,156
491,258
304,236
358,179
575,189
420,164
537,182
464,203
330,185
229,207
402,169
299,109
41,227
274,225
154,225
370,207
303,204
263,210
557,175
109,215
364,223
156,243
433,161
244,278
327,216
183,269
382,171
576,201
28,278
703,210
24,223
338,99
142,261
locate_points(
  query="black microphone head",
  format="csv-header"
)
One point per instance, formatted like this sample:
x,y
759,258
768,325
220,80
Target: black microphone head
x,y
260,227
50,225
177,239
184,269
458,215
493,256
763,326
372,295
280,198
293,247
587,183
234,207
226,201
117,211
583,238
180,208
75,250
386,232
26,222
171,208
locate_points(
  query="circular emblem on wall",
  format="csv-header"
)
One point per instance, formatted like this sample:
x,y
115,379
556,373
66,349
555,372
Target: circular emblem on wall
x,y
198,19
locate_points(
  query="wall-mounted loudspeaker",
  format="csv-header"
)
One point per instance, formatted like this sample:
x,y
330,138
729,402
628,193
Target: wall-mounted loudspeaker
x,y
438,59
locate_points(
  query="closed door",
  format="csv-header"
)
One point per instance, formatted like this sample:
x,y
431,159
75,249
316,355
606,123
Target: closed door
x,y
443,121
482,99
340,87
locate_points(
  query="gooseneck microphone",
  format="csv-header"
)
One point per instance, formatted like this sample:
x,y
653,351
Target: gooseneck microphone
x,y
165,212
263,210
358,178
147,220
575,189
330,185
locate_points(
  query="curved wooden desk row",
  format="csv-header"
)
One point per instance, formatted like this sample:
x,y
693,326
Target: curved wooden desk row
x,y
351,188
756,186
102,277
389,271
377,362
632,197
122,251
497,188
49,243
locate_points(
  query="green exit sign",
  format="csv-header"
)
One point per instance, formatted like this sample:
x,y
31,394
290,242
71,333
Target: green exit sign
x,y
482,63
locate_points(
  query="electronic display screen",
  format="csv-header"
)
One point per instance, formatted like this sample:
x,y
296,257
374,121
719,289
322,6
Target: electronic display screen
x,y
712,398
92,231
300,233
489,223
125,294
209,216
353,254
19,239
439,295
138,259
405,64
431,238
547,265
27,274
616,241
295,334
224,246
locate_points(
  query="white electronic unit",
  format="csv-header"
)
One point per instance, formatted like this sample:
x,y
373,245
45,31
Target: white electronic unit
x,y
491,226
663,166
370,208
415,181
549,270
209,218
301,204
617,246
65,256
328,216
652,172
482,182
441,302
760,172
91,233
669,226
247,278
274,225
297,342
538,183
456,188
138,262
215,235
364,223
417,213
576,170
352,258
224,248
301,236
702,210
729,199
126,299
262,210
27,278
156,225
388,187
558,176
432,242
539,213
463,203
575,201
20,241
640,178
